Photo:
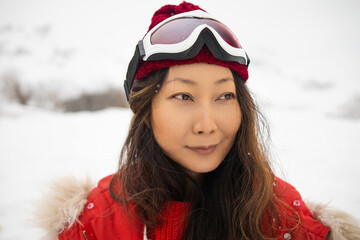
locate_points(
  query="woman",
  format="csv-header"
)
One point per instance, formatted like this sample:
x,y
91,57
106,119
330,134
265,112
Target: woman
x,y
194,165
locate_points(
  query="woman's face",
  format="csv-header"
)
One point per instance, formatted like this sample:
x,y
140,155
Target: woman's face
x,y
196,115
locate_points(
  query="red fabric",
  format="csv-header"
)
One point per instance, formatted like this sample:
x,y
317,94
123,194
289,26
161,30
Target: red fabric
x,y
173,224
308,228
170,10
204,55
104,219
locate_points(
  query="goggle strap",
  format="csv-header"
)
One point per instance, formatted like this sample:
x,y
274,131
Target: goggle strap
x,y
127,91
248,60
133,67
141,49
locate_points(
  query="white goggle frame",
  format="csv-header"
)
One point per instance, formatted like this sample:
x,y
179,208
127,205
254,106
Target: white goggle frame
x,y
151,49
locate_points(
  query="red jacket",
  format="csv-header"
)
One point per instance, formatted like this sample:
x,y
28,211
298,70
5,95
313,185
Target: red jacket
x,y
105,219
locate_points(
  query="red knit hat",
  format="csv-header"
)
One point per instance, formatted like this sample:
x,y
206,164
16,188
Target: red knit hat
x,y
204,55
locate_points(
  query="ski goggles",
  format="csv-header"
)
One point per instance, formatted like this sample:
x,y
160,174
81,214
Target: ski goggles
x,y
181,37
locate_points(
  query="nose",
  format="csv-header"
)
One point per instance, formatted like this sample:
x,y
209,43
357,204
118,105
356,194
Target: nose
x,y
205,122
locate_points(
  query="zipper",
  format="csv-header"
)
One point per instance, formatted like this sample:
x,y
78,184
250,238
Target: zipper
x,y
145,233
85,236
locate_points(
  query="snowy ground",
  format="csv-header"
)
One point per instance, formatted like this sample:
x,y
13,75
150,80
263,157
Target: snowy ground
x,y
304,73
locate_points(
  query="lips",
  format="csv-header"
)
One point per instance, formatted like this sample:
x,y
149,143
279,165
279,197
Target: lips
x,y
203,149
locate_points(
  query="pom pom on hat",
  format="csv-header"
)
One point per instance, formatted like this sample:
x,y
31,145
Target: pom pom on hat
x,y
170,10
205,56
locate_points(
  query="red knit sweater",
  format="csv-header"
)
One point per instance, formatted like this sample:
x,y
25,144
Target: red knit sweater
x,y
173,222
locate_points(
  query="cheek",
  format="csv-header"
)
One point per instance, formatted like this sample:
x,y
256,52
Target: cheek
x,y
168,124
230,120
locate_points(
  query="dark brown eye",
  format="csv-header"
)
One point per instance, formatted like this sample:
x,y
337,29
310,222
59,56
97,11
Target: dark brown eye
x,y
183,97
227,96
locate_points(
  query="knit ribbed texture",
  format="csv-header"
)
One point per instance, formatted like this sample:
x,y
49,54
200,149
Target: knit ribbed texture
x,y
173,222
169,10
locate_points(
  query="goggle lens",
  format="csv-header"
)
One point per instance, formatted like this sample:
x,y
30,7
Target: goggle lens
x,y
180,29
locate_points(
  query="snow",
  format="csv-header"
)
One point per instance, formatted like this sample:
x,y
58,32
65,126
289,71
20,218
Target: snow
x,y
36,147
304,74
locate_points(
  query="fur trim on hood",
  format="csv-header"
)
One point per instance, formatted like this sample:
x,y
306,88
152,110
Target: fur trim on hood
x,y
67,197
62,205
342,225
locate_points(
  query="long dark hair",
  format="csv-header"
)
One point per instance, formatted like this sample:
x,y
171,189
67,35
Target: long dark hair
x,y
231,202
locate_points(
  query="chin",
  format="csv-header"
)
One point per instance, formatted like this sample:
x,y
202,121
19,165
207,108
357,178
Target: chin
x,y
205,169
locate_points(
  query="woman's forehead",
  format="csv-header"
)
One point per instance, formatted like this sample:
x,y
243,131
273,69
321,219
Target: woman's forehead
x,y
198,73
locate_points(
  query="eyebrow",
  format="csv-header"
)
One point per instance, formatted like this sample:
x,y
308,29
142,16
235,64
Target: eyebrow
x,y
183,80
191,82
223,80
